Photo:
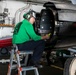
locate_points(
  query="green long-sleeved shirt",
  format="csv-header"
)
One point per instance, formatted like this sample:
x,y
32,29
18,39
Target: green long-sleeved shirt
x,y
26,29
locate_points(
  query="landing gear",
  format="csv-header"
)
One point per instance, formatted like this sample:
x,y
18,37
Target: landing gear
x,y
70,66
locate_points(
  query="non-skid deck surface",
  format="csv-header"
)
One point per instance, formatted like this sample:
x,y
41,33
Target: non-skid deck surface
x,y
53,69
47,70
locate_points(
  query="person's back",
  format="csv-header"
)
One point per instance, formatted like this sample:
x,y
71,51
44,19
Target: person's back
x,y
24,33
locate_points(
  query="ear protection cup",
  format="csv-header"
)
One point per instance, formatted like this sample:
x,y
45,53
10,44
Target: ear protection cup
x,y
30,14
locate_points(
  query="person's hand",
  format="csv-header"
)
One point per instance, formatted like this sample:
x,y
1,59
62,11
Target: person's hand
x,y
47,36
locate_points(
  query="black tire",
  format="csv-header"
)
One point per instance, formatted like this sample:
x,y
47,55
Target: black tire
x,y
70,66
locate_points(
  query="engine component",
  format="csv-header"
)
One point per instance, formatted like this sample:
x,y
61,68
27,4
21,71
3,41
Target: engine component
x,y
46,22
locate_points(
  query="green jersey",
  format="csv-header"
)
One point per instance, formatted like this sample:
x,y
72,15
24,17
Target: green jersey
x,y
24,32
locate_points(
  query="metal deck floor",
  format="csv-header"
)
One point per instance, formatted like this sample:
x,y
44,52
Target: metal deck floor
x,y
47,70
53,69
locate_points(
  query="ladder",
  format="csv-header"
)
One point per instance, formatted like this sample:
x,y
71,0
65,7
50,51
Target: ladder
x,y
15,53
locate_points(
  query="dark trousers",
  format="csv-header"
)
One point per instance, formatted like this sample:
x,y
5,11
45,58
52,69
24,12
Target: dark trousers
x,y
36,46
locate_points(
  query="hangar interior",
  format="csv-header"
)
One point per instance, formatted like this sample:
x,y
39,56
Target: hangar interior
x,y
57,17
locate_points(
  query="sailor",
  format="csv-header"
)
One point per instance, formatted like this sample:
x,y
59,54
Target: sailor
x,y
25,38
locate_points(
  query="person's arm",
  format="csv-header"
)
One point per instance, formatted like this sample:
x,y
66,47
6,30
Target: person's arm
x,y
33,35
30,30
